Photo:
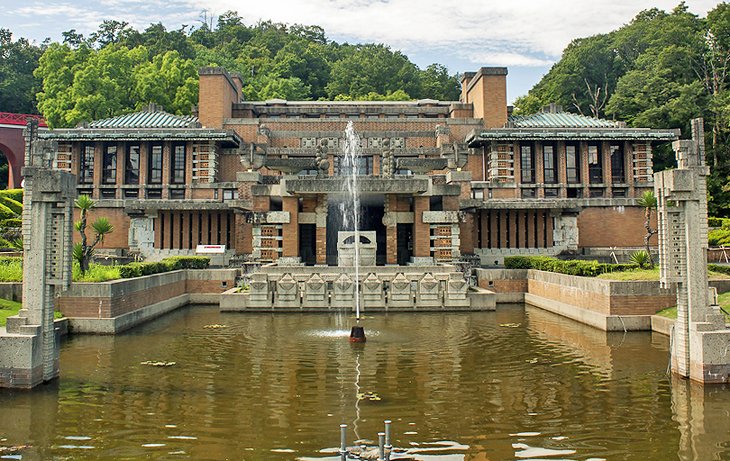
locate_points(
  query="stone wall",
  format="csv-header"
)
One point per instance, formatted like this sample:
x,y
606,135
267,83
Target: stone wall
x,y
110,307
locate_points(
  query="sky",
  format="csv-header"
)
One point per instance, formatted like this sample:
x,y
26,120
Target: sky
x,y
527,36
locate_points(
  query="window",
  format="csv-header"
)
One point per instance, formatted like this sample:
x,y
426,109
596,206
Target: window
x,y
177,174
109,169
154,166
527,164
86,164
550,162
131,166
572,157
364,166
618,175
595,166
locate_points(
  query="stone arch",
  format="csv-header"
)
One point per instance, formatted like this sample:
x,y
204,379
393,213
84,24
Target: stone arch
x,y
15,161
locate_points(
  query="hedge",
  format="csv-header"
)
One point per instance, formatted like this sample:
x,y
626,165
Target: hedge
x,y
166,265
13,194
570,267
719,268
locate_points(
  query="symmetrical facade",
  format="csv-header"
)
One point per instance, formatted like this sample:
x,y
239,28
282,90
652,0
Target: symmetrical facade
x,y
439,180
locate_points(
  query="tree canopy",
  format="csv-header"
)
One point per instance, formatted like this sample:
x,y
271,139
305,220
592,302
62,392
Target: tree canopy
x,y
119,69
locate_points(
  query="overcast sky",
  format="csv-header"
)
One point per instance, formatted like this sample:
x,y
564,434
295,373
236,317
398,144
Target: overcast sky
x,y
527,36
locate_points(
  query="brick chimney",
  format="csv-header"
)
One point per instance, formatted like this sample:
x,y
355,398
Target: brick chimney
x,y
486,91
218,92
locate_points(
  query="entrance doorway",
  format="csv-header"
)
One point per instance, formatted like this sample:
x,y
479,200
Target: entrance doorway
x,y
405,243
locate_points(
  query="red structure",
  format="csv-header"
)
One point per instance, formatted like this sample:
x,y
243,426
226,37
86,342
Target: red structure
x,y
12,145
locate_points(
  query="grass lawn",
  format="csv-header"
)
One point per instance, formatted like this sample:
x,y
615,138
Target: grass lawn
x,y
9,308
723,300
649,274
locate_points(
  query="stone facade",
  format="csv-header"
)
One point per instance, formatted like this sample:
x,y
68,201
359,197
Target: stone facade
x,y
441,180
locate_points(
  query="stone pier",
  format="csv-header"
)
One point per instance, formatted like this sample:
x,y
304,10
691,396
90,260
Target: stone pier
x,y
29,343
700,339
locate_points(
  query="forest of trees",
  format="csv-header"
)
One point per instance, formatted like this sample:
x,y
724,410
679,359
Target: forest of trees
x,y
660,70
118,69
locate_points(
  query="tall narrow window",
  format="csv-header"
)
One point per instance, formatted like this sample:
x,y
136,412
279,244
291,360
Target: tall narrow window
x,y
572,162
618,175
86,164
527,164
595,165
131,165
550,162
109,170
154,166
177,173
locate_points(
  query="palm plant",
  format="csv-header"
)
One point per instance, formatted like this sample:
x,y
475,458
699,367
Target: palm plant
x,y
83,251
649,202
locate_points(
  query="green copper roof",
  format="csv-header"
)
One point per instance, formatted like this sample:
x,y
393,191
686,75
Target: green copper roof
x,y
559,120
147,119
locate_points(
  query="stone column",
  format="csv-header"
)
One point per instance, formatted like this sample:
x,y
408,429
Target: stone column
x,y
29,350
700,339
142,234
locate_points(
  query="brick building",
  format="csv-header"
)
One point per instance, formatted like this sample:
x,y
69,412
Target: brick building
x,y
440,180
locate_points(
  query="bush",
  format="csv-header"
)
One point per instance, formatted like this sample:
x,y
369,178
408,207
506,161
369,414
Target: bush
x,y
11,222
13,194
640,258
11,269
15,206
719,268
96,273
187,262
570,267
719,237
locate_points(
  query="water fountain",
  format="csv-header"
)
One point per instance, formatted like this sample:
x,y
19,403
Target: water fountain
x,y
350,211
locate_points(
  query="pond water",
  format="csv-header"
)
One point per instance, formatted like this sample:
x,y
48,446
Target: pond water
x,y
519,383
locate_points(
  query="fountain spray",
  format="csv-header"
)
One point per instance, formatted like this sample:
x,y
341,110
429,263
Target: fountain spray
x,y
352,212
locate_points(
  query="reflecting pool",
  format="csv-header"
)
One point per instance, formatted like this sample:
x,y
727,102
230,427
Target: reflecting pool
x,y
519,383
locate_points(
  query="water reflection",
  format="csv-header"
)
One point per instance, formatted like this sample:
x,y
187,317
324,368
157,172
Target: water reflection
x,y
271,387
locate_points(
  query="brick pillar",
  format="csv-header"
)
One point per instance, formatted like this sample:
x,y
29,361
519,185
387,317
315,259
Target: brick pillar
x,y
166,155
144,150
98,167
421,230
484,221
562,168
290,231
391,229
606,162
584,176
321,236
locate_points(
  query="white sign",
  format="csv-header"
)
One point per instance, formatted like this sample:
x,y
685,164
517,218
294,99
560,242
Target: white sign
x,y
210,249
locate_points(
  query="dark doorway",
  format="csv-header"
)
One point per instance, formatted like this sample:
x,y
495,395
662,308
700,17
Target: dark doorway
x,y
308,244
371,219
405,243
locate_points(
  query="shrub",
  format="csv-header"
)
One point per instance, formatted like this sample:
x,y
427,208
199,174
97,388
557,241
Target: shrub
x,y
570,267
187,262
11,222
11,270
719,237
96,273
719,268
15,206
640,258
13,194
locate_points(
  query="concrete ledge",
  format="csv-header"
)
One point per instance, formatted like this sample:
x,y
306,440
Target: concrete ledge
x,y
481,299
591,318
110,326
662,325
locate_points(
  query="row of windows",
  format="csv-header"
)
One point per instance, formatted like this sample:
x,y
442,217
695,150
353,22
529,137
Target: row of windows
x,y
132,164
572,162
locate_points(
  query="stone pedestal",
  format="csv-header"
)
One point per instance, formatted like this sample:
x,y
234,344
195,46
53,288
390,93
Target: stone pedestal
x,y
287,293
315,292
373,295
456,289
367,248
260,295
343,293
400,294
429,293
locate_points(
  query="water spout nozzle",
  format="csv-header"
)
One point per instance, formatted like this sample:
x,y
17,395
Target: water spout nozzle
x,y
357,334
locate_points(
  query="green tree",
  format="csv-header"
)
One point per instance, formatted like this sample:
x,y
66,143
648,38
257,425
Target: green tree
x,y
83,251
648,202
18,60
167,80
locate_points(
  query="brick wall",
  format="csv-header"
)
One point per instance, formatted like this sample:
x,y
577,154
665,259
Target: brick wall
x,y
117,217
613,226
